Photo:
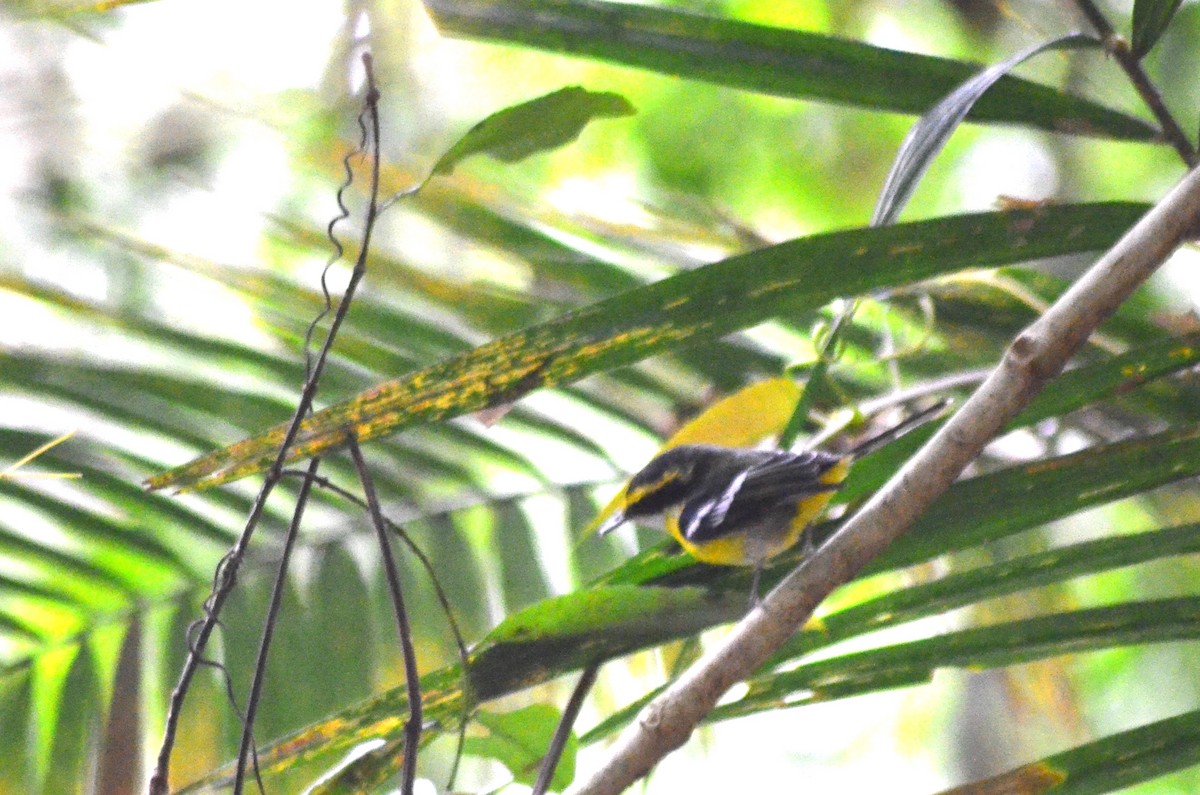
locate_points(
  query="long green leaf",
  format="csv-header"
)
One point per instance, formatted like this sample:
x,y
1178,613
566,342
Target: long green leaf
x,y
1109,764
1064,484
1009,643
769,60
528,648
988,582
679,311
1150,21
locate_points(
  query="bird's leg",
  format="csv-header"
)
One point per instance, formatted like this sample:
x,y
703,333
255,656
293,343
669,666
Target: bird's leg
x,y
755,599
807,544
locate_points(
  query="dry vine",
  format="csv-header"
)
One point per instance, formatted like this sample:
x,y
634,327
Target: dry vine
x,y
226,574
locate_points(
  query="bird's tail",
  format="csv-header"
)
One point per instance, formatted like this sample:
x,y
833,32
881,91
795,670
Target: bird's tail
x,y
899,429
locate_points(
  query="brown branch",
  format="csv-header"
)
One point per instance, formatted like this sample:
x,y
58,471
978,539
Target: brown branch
x,y
1036,356
1118,47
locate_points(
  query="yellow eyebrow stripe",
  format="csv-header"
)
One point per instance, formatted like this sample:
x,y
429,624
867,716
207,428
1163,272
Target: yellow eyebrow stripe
x,y
638,494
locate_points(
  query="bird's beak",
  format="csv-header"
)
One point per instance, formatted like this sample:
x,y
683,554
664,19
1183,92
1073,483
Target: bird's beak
x,y
611,523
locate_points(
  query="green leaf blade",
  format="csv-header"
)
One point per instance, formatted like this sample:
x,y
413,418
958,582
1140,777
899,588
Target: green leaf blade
x,y
770,60
1150,21
931,132
680,311
538,125
999,645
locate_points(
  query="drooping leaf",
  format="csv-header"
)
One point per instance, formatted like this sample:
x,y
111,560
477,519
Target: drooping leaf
x,y
568,632
538,125
679,311
927,137
770,60
1150,21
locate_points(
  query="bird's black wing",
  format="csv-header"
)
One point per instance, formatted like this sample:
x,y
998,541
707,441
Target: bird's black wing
x,y
754,493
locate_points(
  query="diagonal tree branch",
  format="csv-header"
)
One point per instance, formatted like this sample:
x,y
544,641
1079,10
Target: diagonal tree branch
x,y
1036,356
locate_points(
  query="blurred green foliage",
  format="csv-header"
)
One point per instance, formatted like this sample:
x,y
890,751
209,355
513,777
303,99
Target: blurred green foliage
x,y
173,166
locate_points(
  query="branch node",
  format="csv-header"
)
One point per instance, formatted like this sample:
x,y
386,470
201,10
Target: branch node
x,y
651,717
1117,45
1023,349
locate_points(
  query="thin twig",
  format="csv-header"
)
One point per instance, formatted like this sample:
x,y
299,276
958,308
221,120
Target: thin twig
x,y
227,569
412,729
1036,356
402,534
260,665
1118,47
224,579
562,732
460,746
439,593
818,376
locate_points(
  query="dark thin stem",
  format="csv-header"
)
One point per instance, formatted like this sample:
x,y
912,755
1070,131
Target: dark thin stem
x,y
222,586
817,376
563,732
1118,47
402,534
260,665
439,593
412,730
459,747
227,570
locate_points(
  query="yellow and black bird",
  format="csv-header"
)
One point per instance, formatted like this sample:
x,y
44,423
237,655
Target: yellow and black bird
x,y
737,507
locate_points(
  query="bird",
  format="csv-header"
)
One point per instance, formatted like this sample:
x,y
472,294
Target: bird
x,y
741,507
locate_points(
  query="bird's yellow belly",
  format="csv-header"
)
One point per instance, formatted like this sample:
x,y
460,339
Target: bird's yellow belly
x,y
759,541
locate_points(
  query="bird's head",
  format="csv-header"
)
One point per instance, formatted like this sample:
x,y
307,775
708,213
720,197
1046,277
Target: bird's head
x,y
665,482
